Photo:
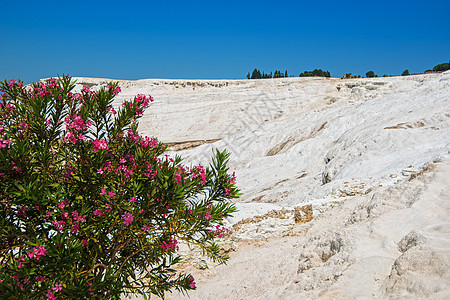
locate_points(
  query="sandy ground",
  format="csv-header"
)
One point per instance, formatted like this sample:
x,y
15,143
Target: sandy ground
x,y
370,155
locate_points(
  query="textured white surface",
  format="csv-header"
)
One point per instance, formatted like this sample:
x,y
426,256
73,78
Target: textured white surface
x,y
346,146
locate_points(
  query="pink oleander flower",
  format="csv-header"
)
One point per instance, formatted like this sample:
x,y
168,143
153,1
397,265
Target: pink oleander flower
x,y
98,213
50,295
127,218
77,218
61,205
233,178
4,143
116,91
227,191
170,245
192,284
128,173
99,145
37,252
85,89
178,178
112,110
57,287
111,194
146,227
75,228
59,225
103,192
84,242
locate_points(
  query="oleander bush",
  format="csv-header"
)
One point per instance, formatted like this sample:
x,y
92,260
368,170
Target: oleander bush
x,y
90,209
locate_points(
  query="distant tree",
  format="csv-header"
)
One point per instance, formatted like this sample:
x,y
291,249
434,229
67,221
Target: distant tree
x,y
256,74
286,74
370,74
406,73
442,67
315,72
248,75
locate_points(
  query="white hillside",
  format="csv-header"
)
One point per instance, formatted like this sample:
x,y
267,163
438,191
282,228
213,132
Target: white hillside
x,y
370,155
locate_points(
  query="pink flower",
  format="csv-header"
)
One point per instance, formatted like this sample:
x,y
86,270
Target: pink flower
x,y
77,218
170,245
40,250
207,216
178,178
111,194
61,205
84,242
57,287
233,178
98,213
146,228
40,278
99,171
192,284
50,295
99,145
128,173
37,252
75,228
227,191
103,192
112,110
128,218
59,225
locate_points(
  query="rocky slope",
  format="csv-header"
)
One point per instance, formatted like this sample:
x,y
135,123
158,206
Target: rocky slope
x,y
370,155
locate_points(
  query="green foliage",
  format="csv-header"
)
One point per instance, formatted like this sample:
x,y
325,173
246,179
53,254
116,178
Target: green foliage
x,y
370,74
315,72
256,74
405,73
89,209
442,67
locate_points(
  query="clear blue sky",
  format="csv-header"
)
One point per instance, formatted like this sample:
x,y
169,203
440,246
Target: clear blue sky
x,y
219,39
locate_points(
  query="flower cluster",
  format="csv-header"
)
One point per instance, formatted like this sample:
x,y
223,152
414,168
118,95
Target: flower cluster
x,y
90,202
37,252
170,245
99,145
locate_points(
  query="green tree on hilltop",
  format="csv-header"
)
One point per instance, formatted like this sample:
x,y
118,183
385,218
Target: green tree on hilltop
x,y
370,74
